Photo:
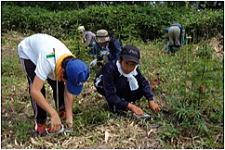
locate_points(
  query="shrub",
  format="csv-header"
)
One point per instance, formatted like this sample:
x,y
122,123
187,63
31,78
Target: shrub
x,y
126,21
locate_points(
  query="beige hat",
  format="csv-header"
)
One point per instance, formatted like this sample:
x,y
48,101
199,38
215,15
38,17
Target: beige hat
x,y
81,29
102,36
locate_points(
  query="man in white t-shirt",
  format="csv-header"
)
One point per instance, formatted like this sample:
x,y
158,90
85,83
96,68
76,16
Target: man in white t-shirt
x,y
46,58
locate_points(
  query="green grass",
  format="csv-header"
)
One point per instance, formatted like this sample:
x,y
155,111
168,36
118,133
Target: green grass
x,y
191,92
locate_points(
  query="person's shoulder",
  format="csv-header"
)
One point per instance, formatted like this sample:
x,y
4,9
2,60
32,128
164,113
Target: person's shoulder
x,y
89,33
115,41
110,66
113,38
139,72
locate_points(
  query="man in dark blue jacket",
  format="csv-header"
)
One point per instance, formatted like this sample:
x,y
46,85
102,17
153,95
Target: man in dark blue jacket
x,y
106,48
121,82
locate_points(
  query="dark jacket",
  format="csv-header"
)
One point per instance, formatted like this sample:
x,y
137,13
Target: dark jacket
x,y
113,46
115,87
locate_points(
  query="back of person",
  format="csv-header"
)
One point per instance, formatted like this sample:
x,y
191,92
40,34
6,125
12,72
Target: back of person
x,y
182,31
89,38
115,47
176,33
35,48
34,45
174,36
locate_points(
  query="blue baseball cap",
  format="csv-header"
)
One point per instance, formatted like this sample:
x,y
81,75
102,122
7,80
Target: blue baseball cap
x,y
77,73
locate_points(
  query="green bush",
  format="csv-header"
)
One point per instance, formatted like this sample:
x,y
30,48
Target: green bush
x,y
124,20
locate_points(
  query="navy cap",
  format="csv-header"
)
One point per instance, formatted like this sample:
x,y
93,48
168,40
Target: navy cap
x,y
77,73
131,53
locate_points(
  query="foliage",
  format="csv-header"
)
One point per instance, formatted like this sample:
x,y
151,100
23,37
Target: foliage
x,y
124,20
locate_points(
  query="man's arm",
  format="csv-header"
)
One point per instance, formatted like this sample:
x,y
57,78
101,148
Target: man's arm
x,y
148,93
42,102
68,98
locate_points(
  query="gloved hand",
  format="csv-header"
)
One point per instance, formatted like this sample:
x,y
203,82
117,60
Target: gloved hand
x,y
93,63
106,57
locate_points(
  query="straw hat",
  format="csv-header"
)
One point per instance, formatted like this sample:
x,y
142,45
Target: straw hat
x,y
81,29
102,36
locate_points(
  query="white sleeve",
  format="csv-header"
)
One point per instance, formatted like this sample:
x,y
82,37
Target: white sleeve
x,y
43,68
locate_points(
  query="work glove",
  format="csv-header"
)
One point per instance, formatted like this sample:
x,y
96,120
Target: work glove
x,y
106,57
93,63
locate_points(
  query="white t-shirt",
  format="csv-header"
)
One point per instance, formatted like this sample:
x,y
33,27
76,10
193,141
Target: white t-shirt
x,y
39,49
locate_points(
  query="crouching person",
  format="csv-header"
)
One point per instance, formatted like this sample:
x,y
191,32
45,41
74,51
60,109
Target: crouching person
x,y
45,58
121,83
176,34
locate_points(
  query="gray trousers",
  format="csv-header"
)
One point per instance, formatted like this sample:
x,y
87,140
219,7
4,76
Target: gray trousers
x,y
174,36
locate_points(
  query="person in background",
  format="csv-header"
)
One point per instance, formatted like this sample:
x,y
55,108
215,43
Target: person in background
x,y
176,33
106,48
45,58
121,83
87,37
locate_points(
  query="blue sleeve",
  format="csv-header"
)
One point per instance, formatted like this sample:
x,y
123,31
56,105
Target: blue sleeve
x,y
117,47
110,89
147,90
94,49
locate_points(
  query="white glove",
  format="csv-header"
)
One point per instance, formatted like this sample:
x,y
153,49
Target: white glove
x,y
103,52
93,63
106,57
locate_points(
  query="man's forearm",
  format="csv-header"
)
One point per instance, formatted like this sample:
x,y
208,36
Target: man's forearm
x,y
69,106
39,97
42,102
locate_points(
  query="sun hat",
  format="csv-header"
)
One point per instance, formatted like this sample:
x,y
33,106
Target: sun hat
x,y
102,36
81,29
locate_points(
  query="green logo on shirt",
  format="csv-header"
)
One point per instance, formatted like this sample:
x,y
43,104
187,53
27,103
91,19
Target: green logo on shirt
x,y
50,55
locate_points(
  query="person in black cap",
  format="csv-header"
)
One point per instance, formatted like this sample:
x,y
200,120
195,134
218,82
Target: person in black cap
x,y
45,58
121,83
